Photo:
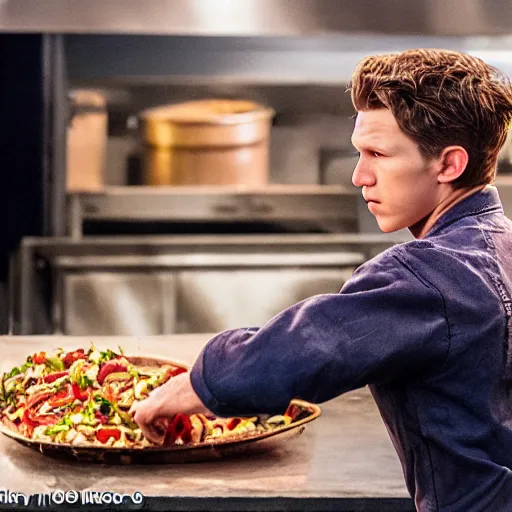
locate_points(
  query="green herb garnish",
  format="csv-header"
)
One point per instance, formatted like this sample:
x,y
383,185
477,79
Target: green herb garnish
x,y
27,365
4,393
107,355
83,381
79,378
62,426
13,372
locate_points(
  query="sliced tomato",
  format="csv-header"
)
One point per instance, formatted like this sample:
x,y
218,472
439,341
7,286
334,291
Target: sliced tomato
x,y
71,357
39,358
38,397
104,434
110,367
54,376
180,427
78,393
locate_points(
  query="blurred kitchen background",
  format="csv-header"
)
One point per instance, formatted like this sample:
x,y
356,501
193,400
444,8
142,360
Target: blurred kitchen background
x,y
106,230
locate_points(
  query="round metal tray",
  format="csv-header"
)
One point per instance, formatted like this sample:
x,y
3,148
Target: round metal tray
x,y
243,444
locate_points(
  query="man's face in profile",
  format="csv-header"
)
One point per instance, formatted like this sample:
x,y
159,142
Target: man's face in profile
x,y
399,185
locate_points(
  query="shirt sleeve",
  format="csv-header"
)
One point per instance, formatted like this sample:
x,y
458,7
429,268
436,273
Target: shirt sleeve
x,y
386,323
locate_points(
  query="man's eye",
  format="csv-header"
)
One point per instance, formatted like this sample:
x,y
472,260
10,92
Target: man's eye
x,y
377,154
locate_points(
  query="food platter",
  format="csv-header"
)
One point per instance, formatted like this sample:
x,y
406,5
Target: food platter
x,y
234,445
228,447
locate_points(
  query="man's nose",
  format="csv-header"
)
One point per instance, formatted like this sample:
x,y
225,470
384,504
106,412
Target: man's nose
x,y
362,176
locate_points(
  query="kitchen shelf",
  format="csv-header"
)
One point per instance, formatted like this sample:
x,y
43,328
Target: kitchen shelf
x,y
315,204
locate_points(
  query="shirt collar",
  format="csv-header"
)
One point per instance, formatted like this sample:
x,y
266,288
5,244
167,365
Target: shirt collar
x,y
485,200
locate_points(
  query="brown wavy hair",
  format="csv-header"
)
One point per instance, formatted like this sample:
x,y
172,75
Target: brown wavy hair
x,y
441,98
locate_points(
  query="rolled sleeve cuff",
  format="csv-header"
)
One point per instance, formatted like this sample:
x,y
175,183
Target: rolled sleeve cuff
x,y
201,388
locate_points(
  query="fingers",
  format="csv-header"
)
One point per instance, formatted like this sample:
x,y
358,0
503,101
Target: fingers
x,y
154,432
175,396
153,428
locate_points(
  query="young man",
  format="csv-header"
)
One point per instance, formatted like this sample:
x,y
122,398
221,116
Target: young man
x,y
426,324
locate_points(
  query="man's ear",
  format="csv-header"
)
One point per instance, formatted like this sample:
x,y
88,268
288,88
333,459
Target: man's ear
x,y
453,162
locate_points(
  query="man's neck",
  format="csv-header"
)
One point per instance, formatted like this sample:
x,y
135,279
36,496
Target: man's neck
x,y
422,228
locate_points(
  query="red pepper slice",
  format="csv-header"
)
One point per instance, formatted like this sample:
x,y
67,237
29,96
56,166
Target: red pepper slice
x,y
39,358
104,434
27,419
63,397
46,419
78,393
71,357
172,372
180,427
292,411
110,367
32,421
54,376
232,423
39,397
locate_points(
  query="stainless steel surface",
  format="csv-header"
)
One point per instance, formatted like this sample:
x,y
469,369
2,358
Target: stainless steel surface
x,y
209,260
345,454
257,17
225,65
146,303
300,254
334,206
218,300
135,304
247,290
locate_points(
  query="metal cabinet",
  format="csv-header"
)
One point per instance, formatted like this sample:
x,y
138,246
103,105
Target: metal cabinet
x,y
191,301
121,303
177,284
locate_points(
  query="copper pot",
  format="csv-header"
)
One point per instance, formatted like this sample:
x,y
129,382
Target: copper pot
x,y
207,142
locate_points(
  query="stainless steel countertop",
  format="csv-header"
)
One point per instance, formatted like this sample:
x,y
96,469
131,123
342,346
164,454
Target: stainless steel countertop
x,y
346,453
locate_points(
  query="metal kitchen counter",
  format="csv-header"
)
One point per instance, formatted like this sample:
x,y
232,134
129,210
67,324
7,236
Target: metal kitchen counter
x,y
342,461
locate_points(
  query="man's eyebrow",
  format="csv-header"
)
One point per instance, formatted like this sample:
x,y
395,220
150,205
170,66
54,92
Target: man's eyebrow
x,y
373,143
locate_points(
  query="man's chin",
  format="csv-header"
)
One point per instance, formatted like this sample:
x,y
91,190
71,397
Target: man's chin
x,y
387,227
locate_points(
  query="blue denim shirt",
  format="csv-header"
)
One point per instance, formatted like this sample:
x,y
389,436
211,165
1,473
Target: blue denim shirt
x,y
426,324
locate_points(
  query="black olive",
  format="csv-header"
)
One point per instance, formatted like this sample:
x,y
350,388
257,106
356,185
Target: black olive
x,y
104,408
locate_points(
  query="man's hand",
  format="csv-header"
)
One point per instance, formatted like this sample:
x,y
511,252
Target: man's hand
x,y
176,396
